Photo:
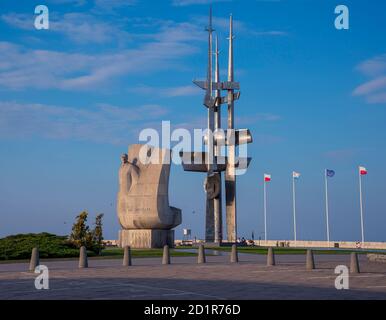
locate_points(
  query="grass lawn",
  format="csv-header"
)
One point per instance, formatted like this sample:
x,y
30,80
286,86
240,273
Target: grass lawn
x,y
113,253
142,253
278,250
17,248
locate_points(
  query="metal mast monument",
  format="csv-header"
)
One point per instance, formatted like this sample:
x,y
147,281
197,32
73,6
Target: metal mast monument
x,y
213,162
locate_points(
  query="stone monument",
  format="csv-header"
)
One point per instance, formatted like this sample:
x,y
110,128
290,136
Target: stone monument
x,y
143,207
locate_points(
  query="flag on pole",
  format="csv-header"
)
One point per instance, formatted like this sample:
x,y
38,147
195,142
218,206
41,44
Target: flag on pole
x,y
267,177
362,171
330,173
295,175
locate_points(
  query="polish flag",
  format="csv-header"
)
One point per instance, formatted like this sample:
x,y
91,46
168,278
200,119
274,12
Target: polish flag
x,y
362,171
295,175
267,178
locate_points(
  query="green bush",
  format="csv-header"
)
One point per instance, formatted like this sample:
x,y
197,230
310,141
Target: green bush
x,y
82,235
50,246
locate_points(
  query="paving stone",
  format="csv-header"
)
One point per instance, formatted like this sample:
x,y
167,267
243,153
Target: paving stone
x,y
185,279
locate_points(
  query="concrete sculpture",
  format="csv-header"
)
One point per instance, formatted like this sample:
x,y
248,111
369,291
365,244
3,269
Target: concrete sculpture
x,y
143,207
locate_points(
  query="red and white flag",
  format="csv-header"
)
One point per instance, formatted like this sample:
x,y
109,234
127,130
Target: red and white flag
x,y
362,171
267,177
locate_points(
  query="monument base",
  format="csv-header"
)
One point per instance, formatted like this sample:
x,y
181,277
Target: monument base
x,y
146,238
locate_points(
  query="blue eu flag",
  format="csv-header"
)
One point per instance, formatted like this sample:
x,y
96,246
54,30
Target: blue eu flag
x,y
330,173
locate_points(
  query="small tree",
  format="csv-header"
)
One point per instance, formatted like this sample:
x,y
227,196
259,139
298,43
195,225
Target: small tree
x,y
81,234
97,234
80,231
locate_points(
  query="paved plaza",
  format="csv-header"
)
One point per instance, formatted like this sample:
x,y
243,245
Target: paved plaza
x,y
185,279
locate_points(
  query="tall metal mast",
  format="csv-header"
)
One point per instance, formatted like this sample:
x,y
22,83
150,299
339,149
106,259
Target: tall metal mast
x,y
230,58
213,166
217,111
230,176
210,155
217,125
209,93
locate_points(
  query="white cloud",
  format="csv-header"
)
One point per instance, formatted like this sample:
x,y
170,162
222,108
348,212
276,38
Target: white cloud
x,y
111,7
181,3
221,25
21,67
182,91
104,123
78,27
39,68
371,86
182,32
70,2
269,33
102,4
84,28
373,67
18,20
154,51
373,90
112,4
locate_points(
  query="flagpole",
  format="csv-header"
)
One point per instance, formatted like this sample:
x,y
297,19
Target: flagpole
x,y
327,213
294,206
361,205
265,212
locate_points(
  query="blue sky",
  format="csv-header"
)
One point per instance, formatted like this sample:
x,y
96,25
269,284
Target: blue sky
x,y
72,98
